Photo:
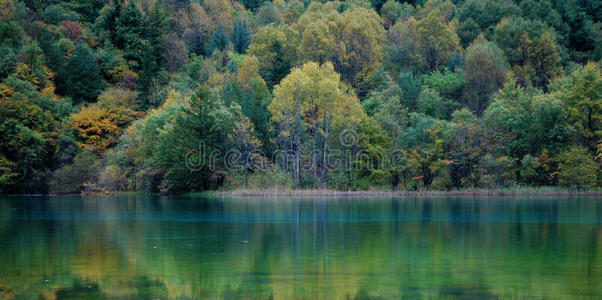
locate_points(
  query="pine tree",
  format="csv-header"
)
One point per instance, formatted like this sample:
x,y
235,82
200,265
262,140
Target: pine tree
x,y
157,30
219,40
147,78
83,80
130,30
241,37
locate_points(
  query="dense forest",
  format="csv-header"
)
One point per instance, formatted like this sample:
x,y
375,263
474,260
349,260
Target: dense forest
x,y
184,95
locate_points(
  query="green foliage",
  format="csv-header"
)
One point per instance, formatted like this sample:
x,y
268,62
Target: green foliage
x,y
432,104
511,35
425,140
26,147
485,71
276,50
11,34
71,178
487,13
219,41
422,45
545,61
411,86
8,61
86,84
324,30
468,31
583,92
240,37
128,33
479,94
448,84
577,168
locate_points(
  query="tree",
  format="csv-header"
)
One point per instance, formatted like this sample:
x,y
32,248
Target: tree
x,y
157,30
254,106
27,145
508,118
352,40
240,37
485,71
545,61
85,84
577,169
393,11
71,178
422,45
129,33
6,10
312,99
582,91
252,4
386,108
468,31
244,140
466,149
437,39
487,13
432,104
197,28
411,86
425,140
150,78
276,51
511,35
184,147
448,84
98,128
544,11
219,41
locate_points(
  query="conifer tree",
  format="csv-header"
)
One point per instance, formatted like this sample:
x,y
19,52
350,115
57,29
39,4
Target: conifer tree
x,y
83,81
219,41
241,38
130,30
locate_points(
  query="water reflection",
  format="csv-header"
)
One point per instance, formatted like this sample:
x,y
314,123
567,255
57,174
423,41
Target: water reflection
x,y
153,247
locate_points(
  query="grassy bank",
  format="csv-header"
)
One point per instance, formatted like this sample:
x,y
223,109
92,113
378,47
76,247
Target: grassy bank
x,y
514,191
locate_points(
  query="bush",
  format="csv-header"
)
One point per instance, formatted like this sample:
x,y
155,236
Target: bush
x,y
577,169
271,177
71,178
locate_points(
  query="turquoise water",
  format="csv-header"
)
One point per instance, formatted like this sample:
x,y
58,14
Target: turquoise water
x,y
150,247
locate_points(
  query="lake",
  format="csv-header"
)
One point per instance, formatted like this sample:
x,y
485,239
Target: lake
x,y
152,247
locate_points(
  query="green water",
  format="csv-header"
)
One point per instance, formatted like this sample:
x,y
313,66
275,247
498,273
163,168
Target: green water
x,y
149,247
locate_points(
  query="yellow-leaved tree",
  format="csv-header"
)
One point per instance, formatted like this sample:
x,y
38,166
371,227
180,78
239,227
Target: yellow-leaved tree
x,y
310,106
352,40
99,128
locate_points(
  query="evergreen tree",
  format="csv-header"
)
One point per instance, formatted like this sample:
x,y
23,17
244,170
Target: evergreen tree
x,y
252,4
219,41
156,31
241,38
468,31
83,81
147,78
255,107
130,30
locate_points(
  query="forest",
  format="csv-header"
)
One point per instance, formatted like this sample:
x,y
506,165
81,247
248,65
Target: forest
x,y
193,95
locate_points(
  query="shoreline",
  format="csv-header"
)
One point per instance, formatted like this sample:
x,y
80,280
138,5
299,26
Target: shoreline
x,y
326,193
527,192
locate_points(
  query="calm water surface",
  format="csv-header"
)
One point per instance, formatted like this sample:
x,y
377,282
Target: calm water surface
x,y
149,247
